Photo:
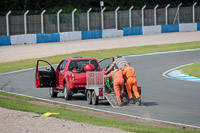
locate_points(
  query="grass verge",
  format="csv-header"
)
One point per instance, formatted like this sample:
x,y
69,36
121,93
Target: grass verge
x,y
81,117
98,54
192,70
17,96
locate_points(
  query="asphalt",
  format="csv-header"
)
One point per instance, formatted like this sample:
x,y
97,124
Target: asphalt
x,y
163,98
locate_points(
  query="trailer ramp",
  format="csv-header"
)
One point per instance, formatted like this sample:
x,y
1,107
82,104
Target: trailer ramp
x,y
111,97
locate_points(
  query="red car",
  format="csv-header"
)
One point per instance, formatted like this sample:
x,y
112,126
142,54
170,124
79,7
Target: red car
x,y
69,76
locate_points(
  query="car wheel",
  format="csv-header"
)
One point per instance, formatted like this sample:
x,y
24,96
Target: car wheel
x,y
89,97
67,93
95,99
53,93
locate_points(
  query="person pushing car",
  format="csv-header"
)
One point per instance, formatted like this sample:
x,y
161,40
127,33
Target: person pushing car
x,y
131,83
119,62
118,83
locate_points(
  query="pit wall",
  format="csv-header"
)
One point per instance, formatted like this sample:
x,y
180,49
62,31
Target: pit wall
x,y
95,34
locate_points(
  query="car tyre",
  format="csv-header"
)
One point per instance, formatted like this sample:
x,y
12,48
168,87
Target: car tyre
x,y
53,94
89,97
95,99
67,93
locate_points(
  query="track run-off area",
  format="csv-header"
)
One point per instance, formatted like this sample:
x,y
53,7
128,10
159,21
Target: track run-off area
x,y
164,99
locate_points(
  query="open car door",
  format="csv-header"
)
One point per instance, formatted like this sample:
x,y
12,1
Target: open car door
x,y
105,63
44,76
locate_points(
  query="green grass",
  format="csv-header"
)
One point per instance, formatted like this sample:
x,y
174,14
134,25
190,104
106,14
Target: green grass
x,y
80,117
98,54
18,96
192,70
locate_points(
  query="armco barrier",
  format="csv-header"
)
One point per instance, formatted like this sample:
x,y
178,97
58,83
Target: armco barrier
x,y
198,26
132,31
148,30
108,33
187,27
169,28
5,40
23,39
69,36
45,38
93,34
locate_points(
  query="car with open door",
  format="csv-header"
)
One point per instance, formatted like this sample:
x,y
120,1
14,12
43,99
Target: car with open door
x,y
69,77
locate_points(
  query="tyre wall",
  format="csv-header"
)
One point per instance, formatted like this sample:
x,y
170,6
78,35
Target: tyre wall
x,y
169,28
23,39
5,40
70,36
46,38
132,31
198,26
109,33
95,34
187,27
149,30
92,34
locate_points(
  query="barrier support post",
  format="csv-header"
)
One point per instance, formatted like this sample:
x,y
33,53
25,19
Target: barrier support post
x,y
7,22
116,17
58,20
130,15
42,22
193,11
143,14
155,17
102,22
73,18
88,18
25,24
166,14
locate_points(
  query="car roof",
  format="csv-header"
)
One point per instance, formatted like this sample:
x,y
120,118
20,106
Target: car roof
x,y
76,59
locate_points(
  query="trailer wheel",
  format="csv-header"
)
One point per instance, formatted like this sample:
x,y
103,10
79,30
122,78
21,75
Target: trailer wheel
x,y
89,97
67,93
95,99
53,93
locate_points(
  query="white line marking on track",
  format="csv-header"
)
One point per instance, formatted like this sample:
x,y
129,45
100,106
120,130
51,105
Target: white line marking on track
x,y
167,52
166,76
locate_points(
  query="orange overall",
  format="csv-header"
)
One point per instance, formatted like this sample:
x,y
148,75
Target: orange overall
x,y
131,81
118,83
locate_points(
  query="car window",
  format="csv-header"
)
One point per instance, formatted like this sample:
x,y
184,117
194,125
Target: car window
x,y
93,62
76,64
62,65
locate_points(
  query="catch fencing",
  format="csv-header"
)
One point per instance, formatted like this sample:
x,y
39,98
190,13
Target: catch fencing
x,y
56,23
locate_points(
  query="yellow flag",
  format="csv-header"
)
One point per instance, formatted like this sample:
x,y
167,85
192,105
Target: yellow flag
x,y
49,114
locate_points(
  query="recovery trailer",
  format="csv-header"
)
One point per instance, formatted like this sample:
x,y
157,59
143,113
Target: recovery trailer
x,y
100,88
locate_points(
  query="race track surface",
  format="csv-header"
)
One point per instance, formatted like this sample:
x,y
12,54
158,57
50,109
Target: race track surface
x,y
163,98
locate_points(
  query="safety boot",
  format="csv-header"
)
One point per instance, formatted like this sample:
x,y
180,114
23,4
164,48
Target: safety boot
x,y
132,101
138,102
120,105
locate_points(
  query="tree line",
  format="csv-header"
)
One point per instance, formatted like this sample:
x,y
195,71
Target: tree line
x,y
83,5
